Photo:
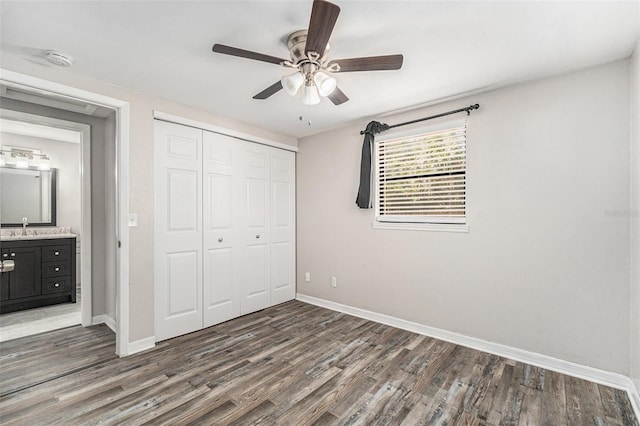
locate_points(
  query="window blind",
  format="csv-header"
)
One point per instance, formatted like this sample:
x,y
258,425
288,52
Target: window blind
x,y
422,178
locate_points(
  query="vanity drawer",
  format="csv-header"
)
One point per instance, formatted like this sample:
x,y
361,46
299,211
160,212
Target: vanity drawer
x,y
56,253
56,285
56,269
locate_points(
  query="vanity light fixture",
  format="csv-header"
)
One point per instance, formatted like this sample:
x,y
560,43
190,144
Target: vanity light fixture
x,y
24,158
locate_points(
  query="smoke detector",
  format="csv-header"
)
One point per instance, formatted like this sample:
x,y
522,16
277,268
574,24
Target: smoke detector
x,y
58,58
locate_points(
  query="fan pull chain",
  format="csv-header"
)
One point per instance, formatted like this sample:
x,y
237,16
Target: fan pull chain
x,y
301,117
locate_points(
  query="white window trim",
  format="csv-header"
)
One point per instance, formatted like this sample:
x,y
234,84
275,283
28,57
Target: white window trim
x,y
440,227
462,227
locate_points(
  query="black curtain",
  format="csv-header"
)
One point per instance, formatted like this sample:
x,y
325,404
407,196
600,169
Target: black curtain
x,y
364,199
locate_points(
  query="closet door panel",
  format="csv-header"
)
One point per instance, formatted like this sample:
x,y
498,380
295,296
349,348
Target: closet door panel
x,y
178,230
182,187
182,283
221,302
282,226
281,266
255,286
221,227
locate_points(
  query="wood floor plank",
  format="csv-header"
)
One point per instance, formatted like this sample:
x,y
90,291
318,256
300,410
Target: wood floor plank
x,y
584,405
554,400
290,364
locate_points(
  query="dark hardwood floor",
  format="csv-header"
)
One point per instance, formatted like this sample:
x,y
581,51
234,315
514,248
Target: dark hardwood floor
x,y
291,364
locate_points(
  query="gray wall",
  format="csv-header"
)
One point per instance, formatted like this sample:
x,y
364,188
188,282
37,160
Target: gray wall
x,y
545,266
635,217
65,157
102,243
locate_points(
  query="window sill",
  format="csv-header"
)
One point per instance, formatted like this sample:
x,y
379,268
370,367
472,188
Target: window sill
x,y
438,227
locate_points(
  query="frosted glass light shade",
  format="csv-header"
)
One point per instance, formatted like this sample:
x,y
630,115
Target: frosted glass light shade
x,y
3,160
22,163
292,83
310,95
44,164
325,84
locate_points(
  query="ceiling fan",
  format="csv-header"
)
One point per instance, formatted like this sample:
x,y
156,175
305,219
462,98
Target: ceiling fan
x,y
308,50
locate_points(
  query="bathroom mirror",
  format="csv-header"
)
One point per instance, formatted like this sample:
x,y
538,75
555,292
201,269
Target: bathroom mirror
x,y
29,193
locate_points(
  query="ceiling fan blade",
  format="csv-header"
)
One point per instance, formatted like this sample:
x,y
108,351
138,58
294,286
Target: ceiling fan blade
x,y
234,51
371,63
275,87
323,18
338,97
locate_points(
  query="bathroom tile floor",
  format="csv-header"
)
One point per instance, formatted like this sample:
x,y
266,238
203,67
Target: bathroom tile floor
x,y
34,321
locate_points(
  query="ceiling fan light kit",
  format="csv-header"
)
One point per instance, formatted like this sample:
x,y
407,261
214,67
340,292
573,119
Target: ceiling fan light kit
x,y
325,84
310,95
292,83
308,50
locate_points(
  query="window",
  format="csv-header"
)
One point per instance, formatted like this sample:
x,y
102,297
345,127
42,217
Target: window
x,y
421,179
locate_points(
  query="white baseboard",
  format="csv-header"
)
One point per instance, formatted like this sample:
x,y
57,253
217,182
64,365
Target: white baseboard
x,y
104,319
140,345
602,377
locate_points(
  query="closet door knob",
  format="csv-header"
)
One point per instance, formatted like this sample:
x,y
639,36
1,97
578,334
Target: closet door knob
x,y
258,236
56,253
5,255
220,240
13,255
56,285
56,269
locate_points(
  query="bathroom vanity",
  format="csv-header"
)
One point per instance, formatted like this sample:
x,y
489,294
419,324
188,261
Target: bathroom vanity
x,y
43,273
37,259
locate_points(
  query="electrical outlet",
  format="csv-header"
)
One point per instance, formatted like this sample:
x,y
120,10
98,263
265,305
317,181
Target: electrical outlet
x,y
307,277
334,282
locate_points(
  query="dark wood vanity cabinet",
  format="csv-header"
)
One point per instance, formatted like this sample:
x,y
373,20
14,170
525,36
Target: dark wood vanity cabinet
x,y
44,273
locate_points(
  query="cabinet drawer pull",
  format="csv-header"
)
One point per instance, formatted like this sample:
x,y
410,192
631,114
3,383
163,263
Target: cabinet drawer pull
x,y
5,255
13,255
220,240
56,285
258,236
56,269
56,253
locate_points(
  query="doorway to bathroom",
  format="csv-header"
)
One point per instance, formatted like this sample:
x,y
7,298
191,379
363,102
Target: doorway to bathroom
x,y
78,142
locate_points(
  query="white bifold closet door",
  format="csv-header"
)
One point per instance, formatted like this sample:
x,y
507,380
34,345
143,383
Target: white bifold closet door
x,y
240,255
256,289
178,230
282,268
222,228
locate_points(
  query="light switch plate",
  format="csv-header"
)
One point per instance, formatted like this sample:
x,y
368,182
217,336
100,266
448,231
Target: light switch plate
x,y
133,220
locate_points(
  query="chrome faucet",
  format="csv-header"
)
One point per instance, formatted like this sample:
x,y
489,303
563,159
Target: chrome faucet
x,y
25,222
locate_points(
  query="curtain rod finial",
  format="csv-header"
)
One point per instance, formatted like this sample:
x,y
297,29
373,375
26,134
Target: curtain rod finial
x,y
471,108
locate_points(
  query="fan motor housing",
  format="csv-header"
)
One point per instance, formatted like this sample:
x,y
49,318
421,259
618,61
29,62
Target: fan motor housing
x,y
296,44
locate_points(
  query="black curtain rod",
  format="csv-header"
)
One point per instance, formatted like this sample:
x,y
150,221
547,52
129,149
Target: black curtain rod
x,y
467,109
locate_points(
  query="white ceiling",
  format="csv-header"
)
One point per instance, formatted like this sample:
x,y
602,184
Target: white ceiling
x,y
163,48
